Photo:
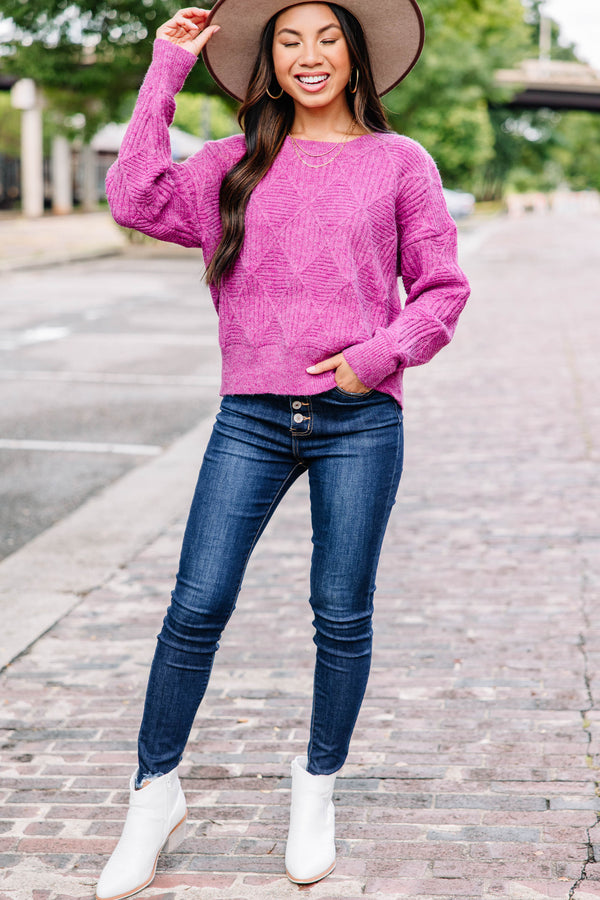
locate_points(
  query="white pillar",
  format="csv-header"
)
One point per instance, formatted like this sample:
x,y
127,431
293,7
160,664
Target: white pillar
x,y
89,186
62,187
26,97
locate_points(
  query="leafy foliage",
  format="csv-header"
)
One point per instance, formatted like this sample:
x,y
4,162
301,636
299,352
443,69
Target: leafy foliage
x,y
541,149
205,116
444,102
97,49
578,150
91,55
10,131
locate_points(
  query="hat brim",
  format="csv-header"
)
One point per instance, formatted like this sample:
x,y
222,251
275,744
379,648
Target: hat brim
x,y
394,31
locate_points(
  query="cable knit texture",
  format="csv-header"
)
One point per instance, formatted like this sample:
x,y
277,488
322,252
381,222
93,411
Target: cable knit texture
x,y
318,272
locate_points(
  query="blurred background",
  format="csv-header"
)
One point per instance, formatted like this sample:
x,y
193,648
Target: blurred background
x,y
506,97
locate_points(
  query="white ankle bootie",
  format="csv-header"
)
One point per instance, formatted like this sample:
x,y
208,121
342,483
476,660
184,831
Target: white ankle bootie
x,y
156,819
310,851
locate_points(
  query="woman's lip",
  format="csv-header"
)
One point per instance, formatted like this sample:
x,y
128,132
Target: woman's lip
x,y
317,86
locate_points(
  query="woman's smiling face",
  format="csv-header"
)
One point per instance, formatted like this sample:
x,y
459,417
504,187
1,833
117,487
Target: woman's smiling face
x,y
310,55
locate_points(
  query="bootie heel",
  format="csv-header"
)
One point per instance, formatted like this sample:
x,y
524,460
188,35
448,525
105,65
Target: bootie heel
x,y
310,850
156,819
177,837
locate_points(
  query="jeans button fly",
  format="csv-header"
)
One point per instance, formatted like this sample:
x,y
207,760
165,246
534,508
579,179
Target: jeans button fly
x,y
298,418
296,405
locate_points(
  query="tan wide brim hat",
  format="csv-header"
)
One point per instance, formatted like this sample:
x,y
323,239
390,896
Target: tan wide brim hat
x,y
394,31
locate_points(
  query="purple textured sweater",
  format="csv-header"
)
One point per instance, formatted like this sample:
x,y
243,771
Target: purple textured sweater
x,y
323,249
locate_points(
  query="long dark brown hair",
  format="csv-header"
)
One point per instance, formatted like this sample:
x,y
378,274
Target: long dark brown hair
x,y
266,122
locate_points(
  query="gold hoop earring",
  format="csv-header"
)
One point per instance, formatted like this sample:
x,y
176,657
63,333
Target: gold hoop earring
x,y
354,89
278,97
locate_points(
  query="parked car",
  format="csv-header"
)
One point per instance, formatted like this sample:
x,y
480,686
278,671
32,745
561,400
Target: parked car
x,y
460,203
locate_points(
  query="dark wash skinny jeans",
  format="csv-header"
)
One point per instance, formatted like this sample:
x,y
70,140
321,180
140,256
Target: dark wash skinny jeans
x,y
352,447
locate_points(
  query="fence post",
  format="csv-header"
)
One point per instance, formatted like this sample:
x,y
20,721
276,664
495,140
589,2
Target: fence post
x,y
89,185
62,186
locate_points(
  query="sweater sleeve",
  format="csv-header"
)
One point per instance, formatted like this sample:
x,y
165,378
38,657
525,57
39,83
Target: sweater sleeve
x,y
436,287
148,192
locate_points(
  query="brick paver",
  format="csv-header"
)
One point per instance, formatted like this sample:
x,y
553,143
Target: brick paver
x,y
474,769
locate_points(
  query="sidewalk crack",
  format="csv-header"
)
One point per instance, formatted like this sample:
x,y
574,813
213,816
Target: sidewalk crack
x,y
587,727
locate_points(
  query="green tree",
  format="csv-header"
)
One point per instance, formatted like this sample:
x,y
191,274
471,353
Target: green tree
x,y
540,149
524,150
205,116
577,150
96,50
10,127
444,101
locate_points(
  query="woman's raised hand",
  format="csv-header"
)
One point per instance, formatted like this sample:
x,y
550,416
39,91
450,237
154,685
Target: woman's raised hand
x,y
188,29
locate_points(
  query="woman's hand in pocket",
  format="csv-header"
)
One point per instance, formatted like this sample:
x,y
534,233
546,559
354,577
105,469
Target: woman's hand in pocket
x,y
344,375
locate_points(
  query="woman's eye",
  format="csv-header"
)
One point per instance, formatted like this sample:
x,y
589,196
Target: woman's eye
x,y
290,45
330,42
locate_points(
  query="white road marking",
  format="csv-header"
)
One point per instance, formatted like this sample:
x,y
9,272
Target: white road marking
x,y
81,447
110,378
34,336
11,340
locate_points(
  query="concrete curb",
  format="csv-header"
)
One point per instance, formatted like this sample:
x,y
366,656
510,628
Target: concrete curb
x,y
46,579
58,259
57,240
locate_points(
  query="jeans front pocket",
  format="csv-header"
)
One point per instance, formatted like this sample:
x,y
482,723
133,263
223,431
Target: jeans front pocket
x,y
358,395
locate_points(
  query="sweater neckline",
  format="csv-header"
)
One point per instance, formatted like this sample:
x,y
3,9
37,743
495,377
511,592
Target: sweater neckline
x,y
354,140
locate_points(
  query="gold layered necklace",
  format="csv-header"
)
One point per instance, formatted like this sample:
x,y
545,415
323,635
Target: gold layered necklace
x,y
337,150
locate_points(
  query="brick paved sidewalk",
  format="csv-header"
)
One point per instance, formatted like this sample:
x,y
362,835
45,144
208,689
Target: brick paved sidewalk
x,y
474,769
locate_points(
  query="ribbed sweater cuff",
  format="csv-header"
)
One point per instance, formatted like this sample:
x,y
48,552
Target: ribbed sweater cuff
x,y
170,67
372,361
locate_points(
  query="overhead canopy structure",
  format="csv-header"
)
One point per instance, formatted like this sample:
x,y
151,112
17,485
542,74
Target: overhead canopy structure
x,y
109,139
552,84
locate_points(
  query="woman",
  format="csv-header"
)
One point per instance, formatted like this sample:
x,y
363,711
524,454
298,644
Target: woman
x,y
305,222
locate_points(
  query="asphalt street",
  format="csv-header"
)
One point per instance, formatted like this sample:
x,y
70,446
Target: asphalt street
x,y
102,365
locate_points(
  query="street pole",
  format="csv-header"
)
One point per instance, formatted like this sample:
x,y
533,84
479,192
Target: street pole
x,y
545,39
545,34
